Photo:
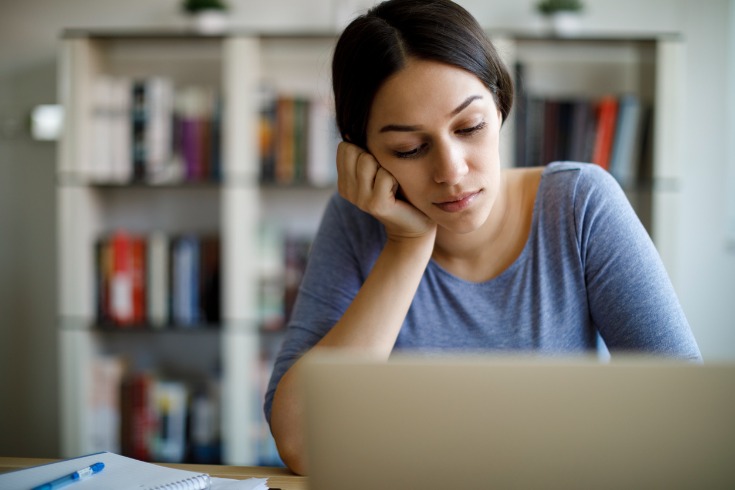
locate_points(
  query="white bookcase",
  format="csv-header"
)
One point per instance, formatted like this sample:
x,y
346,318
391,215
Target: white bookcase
x,y
233,208
591,66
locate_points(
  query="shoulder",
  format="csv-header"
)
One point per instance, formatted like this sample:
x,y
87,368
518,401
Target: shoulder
x,y
581,181
576,172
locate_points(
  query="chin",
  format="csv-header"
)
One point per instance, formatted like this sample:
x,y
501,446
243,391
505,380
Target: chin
x,y
462,226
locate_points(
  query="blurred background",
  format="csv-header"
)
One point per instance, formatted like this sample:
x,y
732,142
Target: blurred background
x,y
30,31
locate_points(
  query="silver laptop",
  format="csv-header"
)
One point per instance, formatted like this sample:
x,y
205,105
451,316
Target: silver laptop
x,y
484,423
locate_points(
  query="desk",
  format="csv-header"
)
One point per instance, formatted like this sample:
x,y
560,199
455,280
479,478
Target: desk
x,y
277,477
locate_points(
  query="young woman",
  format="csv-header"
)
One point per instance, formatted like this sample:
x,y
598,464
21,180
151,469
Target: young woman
x,y
430,245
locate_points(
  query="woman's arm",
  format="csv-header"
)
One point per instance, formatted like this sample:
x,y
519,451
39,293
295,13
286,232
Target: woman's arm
x,y
370,324
632,301
373,319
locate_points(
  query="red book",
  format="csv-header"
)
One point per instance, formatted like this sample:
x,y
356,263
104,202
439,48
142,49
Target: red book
x,y
607,113
137,421
104,278
138,274
121,280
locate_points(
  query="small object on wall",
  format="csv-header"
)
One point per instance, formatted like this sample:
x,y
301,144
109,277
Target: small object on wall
x,y
47,122
207,16
562,16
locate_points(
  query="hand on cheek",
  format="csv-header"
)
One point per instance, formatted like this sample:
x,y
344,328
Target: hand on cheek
x,y
363,182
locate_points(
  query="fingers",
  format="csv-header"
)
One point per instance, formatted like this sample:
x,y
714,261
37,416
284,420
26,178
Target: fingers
x,y
357,171
366,170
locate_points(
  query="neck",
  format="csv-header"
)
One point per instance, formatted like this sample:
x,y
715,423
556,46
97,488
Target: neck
x,y
469,246
486,252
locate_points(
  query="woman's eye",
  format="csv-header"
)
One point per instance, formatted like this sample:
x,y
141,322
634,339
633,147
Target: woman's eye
x,y
412,153
473,129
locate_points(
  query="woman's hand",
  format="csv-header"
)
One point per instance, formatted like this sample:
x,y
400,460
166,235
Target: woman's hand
x,y
370,187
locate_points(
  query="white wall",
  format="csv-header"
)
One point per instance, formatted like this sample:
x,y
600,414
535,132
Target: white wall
x,y
28,34
706,262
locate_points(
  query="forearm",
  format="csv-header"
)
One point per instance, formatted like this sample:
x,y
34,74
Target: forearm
x,y
373,320
371,325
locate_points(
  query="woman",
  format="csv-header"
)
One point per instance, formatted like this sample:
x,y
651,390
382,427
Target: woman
x,y
431,246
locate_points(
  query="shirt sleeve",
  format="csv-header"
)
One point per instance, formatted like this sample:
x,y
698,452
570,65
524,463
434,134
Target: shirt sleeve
x,y
344,249
632,301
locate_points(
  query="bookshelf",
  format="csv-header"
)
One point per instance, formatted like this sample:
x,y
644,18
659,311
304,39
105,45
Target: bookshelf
x,y
99,196
588,68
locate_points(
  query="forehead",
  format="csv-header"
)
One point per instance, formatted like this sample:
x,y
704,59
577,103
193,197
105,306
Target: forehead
x,y
424,89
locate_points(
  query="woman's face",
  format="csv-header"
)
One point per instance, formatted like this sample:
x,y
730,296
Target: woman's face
x,y
435,128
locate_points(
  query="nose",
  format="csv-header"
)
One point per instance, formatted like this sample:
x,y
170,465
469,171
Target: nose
x,y
450,165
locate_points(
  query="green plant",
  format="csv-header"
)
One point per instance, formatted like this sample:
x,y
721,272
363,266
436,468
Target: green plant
x,y
548,7
194,6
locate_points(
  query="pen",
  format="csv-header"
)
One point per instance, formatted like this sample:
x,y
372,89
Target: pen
x,y
78,475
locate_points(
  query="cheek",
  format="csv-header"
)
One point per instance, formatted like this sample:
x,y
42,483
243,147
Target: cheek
x,y
409,181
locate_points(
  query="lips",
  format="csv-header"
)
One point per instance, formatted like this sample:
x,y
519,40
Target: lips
x,y
457,203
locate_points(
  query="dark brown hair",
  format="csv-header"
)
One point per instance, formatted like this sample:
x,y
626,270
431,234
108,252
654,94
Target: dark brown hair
x,y
377,44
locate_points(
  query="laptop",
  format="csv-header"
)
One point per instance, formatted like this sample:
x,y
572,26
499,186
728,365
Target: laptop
x,y
486,422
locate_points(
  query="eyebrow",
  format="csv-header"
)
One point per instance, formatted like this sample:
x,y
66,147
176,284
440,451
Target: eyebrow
x,y
409,128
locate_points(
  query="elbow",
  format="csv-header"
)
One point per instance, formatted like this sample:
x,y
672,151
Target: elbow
x,y
287,426
292,454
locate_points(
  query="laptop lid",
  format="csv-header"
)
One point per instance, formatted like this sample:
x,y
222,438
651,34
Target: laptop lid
x,y
478,422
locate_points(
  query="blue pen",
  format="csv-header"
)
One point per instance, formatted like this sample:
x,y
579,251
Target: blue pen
x,y
78,475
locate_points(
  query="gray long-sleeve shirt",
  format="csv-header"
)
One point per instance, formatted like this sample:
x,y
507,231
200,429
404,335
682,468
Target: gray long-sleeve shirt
x,y
588,267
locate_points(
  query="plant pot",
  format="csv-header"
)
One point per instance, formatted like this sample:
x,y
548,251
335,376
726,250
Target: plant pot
x,y
209,21
564,23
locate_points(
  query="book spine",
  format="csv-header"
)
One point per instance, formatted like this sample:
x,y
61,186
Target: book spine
x,y
267,142
157,284
103,280
322,141
209,279
284,140
137,416
138,271
606,123
121,280
626,148
168,442
107,374
139,128
159,131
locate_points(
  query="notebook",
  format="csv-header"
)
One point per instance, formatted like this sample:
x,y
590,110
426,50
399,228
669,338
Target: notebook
x,y
478,422
121,472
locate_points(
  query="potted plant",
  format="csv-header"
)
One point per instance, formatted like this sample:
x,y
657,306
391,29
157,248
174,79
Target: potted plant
x,y
562,15
208,16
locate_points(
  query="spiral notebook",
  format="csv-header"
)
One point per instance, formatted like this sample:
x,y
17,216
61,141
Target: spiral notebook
x,y
119,472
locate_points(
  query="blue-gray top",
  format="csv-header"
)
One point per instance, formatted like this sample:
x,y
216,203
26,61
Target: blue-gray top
x,y
588,267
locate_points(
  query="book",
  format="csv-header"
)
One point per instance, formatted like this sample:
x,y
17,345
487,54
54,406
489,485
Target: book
x,y
168,440
205,439
607,114
137,415
121,472
107,372
158,274
321,146
121,280
186,264
159,128
624,160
